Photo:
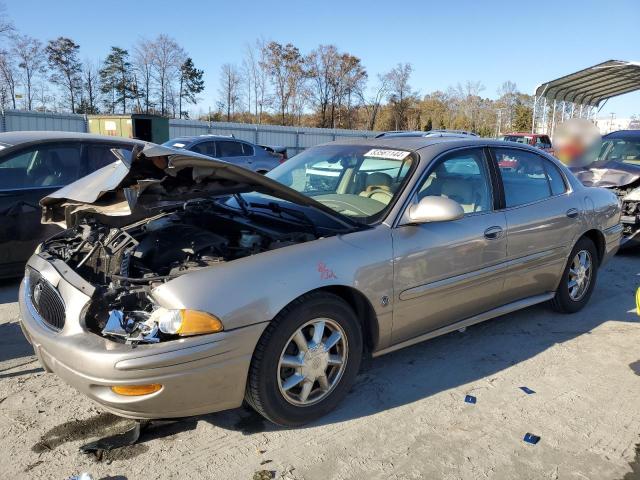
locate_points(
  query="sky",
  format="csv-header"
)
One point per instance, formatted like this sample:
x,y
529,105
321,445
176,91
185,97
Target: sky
x,y
446,41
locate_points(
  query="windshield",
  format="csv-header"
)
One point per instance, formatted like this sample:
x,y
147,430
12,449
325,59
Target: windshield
x,y
517,139
624,150
358,181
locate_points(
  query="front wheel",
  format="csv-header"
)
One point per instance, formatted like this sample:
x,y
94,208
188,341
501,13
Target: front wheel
x,y
578,278
305,361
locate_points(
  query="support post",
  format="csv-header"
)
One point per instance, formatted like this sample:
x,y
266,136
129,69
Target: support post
x,y
553,119
533,117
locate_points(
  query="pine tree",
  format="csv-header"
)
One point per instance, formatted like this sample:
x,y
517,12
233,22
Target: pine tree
x,y
115,79
62,55
191,84
429,126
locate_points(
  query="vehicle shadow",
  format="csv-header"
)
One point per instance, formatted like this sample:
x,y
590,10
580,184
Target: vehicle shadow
x,y
447,362
9,290
12,343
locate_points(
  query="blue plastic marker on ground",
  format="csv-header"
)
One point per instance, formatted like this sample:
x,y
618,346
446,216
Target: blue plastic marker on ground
x,y
527,390
470,399
531,438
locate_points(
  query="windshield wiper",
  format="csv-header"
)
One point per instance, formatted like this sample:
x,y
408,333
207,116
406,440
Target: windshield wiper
x,y
297,214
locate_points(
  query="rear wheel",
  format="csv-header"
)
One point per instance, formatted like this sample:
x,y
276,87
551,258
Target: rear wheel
x,y
578,278
306,360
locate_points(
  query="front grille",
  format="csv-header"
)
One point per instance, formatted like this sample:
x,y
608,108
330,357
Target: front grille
x,y
46,300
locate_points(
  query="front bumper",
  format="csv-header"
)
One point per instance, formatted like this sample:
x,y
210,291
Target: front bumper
x,y
198,375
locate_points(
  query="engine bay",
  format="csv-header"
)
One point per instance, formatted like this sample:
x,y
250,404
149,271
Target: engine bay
x,y
126,263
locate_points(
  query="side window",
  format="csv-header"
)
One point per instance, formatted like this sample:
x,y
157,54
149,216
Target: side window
x,y
463,177
227,148
205,148
556,180
526,176
42,166
247,150
98,156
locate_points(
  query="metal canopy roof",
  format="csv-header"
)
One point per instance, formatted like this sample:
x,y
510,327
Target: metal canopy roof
x,y
594,84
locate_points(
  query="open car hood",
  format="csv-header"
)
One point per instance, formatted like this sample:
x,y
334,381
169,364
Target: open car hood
x,y
156,175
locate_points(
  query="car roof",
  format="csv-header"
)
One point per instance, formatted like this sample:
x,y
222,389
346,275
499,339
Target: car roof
x,y
192,138
624,134
18,137
417,143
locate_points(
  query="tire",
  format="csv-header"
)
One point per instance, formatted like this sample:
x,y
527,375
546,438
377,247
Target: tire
x,y
567,300
272,372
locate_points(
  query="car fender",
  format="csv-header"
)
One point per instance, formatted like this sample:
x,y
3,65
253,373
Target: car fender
x,y
254,289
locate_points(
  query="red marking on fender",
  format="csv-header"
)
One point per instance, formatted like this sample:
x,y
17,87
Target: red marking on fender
x,y
325,272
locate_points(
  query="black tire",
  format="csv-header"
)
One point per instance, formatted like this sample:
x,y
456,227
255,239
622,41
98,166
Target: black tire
x,y
563,302
263,390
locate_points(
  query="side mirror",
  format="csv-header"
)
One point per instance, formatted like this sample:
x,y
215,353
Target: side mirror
x,y
433,209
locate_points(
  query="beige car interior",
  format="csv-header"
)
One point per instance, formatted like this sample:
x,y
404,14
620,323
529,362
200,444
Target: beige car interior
x,y
470,191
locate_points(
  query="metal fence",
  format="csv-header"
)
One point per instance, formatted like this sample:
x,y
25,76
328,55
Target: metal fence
x,y
12,120
295,139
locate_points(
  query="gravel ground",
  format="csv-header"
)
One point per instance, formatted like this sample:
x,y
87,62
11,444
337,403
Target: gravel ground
x,y
405,418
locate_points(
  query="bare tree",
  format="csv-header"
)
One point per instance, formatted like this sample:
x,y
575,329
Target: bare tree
x,y
31,62
401,95
372,104
6,25
166,60
229,89
508,99
8,79
90,86
143,60
285,67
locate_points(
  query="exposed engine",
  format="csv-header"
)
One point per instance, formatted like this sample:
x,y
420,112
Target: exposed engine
x,y
630,201
125,263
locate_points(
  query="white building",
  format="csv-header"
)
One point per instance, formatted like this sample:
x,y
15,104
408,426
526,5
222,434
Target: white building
x,y
612,123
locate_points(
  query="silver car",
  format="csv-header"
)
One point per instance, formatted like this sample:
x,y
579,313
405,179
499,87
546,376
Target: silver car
x,y
258,158
185,284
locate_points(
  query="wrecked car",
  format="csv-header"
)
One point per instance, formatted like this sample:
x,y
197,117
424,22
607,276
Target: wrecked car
x,y
184,284
617,167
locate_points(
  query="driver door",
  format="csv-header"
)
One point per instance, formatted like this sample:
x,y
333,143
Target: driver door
x,y
445,272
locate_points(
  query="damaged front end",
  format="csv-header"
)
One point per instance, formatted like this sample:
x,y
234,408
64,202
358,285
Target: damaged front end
x,y
624,181
190,215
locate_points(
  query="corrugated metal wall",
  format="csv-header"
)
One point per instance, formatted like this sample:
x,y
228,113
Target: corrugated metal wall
x,y
295,139
14,120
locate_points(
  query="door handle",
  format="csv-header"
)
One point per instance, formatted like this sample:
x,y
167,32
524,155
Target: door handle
x,y
493,233
573,213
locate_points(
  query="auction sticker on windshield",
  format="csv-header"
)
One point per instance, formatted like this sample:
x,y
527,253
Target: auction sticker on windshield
x,y
388,154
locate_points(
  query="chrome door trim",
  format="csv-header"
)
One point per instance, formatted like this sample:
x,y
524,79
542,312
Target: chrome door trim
x,y
477,275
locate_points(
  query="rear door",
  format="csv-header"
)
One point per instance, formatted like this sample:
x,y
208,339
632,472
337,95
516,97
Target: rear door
x,y
205,148
448,271
27,175
542,221
231,151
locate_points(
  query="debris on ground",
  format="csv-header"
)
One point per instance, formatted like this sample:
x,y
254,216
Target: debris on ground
x,y
527,390
264,475
470,399
531,438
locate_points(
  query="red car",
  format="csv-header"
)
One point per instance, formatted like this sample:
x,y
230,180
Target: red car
x,y
543,142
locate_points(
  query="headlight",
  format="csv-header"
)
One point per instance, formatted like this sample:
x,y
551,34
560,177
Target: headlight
x,y
185,322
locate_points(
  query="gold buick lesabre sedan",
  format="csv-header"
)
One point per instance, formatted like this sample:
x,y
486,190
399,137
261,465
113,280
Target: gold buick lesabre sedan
x,y
184,284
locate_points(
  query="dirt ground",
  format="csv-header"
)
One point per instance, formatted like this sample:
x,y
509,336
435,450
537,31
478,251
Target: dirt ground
x,y
406,418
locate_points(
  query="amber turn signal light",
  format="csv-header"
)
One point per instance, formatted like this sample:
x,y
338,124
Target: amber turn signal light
x,y
135,390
